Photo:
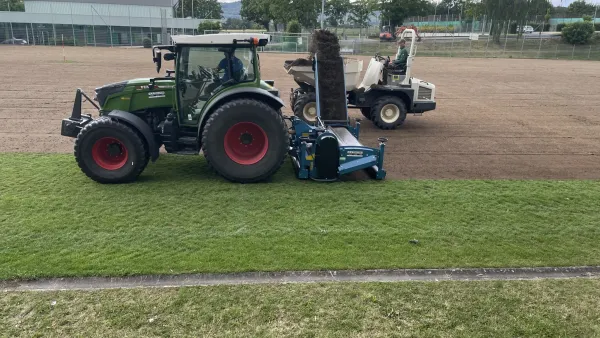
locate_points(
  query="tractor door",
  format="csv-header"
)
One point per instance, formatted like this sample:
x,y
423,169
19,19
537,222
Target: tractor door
x,y
197,78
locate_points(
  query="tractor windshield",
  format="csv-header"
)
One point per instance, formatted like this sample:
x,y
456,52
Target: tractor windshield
x,y
202,70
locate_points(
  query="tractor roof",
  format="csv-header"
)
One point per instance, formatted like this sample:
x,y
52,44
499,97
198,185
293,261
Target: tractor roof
x,y
216,39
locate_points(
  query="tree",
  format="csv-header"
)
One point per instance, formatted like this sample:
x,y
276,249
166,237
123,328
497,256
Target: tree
x,y
294,27
395,11
257,11
361,10
336,11
12,5
305,11
202,9
580,8
503,12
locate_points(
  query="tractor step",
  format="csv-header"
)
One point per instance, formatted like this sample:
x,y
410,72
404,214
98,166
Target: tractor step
x,y
187,141
186,152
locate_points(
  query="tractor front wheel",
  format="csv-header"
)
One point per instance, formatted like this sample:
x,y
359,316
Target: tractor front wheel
x,y
110,152
245,141
388,112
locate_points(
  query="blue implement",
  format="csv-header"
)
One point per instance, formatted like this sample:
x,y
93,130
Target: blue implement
x,y
330,148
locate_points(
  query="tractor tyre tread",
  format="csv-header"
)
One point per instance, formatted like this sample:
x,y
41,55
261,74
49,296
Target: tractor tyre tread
x,y
293,100
137,150
379,104
221,113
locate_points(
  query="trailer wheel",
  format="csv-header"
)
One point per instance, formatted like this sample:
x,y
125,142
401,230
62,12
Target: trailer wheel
x,y
245,141
108,151
294,96
306,107
388,112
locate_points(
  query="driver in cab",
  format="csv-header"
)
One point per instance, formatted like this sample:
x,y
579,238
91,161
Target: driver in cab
x,y
236,65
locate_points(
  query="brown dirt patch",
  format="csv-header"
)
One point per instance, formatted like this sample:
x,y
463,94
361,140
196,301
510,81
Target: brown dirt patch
x,y
496,118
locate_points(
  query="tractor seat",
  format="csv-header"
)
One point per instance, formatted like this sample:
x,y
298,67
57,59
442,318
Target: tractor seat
x,y
345,138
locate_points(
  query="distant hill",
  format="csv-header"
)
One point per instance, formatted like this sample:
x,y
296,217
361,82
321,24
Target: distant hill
x,y
231,9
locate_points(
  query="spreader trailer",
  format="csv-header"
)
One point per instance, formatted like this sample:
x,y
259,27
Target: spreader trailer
x,y
385,95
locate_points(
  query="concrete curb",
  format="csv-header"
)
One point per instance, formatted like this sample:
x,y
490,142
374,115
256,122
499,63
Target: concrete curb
x,y
397,275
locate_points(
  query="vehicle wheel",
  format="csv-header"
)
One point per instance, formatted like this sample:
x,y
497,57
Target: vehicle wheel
x,y
388,112
294,96
245,141
306,107
366,112
110,152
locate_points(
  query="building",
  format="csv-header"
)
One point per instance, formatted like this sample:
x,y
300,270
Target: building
x,y
95,22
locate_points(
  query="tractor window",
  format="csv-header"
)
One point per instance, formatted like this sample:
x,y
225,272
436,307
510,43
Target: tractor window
x,y
199,76
246,56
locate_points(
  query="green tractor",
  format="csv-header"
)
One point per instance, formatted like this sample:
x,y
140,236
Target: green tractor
x,y
215,103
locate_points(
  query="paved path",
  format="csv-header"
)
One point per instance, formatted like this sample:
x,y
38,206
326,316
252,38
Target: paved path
x,y
95,283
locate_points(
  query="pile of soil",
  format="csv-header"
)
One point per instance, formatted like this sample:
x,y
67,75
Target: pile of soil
x,y
300,62
332,91
325,43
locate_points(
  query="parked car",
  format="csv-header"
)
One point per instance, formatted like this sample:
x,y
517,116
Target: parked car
x,y
528,29
14,41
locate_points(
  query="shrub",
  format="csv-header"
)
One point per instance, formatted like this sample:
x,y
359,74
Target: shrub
x,y
147,42
209,26
559,27
578,33
435,29
597,27
294,27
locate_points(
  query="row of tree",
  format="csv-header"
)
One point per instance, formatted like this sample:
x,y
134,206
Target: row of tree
x,y
337,12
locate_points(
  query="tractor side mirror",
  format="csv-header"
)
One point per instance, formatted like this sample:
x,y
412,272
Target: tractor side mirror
x,y
158,60
169,57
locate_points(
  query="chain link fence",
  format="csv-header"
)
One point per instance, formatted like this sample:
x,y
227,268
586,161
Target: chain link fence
x,y
444,42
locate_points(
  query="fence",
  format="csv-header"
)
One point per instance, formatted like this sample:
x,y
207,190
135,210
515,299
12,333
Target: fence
x,y
474,45
443,43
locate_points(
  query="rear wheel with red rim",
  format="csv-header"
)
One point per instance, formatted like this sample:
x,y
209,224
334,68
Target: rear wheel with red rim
x,y
245,140
246,143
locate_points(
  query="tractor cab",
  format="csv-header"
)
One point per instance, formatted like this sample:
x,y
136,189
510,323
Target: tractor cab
x,y
206,65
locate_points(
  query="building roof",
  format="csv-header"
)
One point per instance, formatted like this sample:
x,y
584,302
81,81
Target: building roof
x,y
156,3
225,38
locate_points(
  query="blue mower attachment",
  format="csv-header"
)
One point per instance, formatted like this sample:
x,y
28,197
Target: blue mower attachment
x,y
330,148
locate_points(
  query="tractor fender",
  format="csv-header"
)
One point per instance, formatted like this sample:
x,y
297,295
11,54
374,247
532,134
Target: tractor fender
x,y
141,126
275,101
246,92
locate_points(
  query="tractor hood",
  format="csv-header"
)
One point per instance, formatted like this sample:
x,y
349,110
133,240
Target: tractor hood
x,y
113,88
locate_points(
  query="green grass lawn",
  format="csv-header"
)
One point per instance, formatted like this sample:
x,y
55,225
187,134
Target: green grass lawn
x,y
180,218
543,308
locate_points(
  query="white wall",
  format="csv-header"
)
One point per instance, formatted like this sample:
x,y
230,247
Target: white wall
x,y
95,20
104,10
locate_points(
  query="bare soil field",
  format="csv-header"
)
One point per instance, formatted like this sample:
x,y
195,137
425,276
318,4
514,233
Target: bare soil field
x,y
496,118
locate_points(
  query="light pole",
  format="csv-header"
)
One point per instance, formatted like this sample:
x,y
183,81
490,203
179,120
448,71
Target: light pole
x,y
322,12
